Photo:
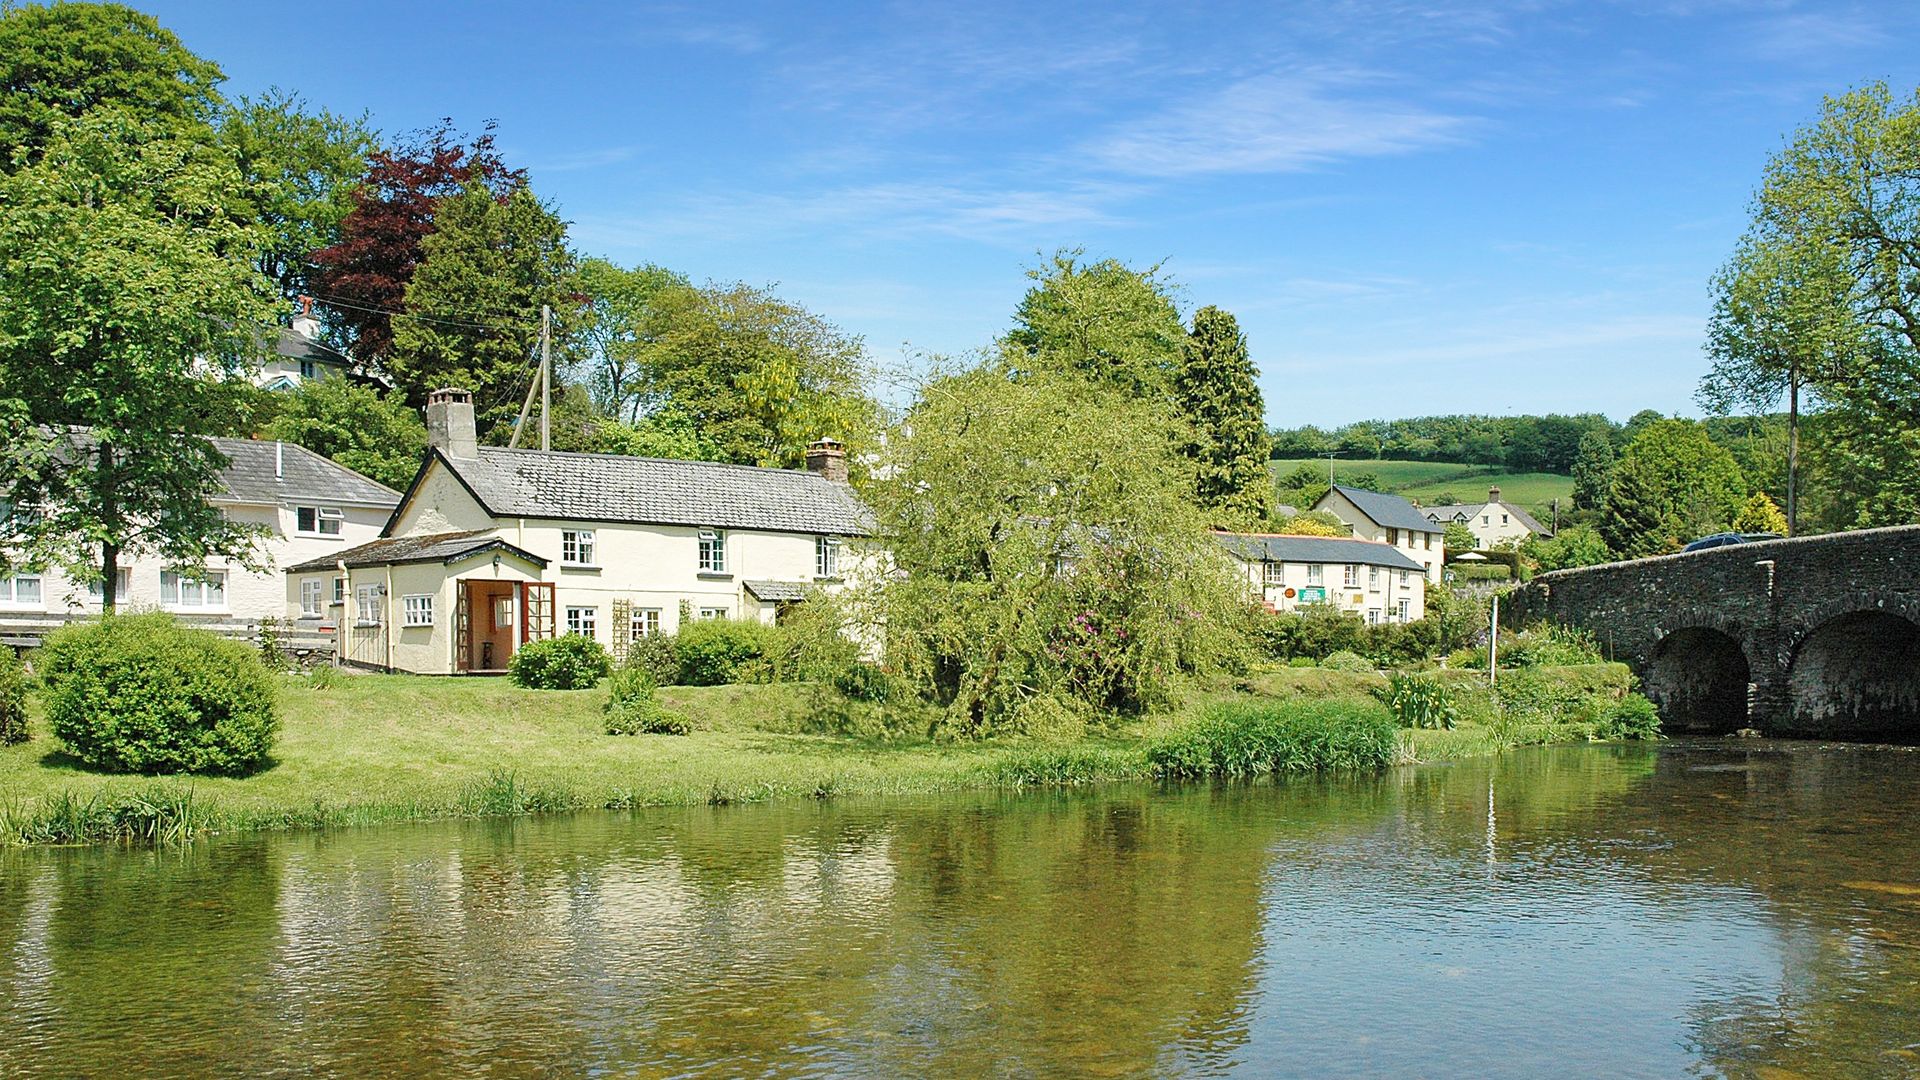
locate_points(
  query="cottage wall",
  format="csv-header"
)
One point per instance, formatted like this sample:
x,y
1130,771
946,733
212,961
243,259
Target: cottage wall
x,y
1376,598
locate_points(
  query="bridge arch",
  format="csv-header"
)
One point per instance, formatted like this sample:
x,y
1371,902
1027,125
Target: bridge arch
x,y
1857,676
1698,676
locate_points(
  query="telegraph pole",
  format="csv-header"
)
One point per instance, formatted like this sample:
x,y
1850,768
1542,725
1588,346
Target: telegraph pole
x,y
546,377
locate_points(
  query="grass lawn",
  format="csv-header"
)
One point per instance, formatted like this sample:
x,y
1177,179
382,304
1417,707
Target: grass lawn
x,y
376,748
1426,480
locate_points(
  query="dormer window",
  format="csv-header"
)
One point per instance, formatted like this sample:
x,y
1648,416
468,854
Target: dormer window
x,y
318,520
307,369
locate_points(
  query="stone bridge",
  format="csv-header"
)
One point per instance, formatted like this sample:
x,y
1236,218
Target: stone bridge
x,y
1815,637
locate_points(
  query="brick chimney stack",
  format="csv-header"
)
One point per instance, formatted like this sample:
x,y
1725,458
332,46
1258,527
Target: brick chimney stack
x,y
305,323
828,458
1493,494
450,427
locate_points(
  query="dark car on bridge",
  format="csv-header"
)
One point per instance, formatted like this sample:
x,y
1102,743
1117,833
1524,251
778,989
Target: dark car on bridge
x,y
1725,538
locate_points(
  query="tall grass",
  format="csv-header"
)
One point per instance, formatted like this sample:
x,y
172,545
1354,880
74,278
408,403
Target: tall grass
x,y
159,814
1238,739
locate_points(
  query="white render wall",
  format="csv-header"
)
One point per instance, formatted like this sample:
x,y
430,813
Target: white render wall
x,y
250,594
1425,548
1373,598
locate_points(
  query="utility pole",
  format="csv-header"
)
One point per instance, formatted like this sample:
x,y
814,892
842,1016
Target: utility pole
x,y
1556,515
546,377
1493,643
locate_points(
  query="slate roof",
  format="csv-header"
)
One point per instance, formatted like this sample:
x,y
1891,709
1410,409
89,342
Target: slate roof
x,y
778,590
1387,511
656,491
1259,547
294,345
304,476
1469,511
399,550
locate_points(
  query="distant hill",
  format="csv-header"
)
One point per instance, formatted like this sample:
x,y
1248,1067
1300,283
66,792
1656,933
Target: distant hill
x,y
1427,481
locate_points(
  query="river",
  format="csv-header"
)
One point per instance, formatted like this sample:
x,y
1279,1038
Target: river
x,y
1739,908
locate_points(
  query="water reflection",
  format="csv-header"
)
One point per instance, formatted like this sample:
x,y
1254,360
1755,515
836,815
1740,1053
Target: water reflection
x,y
1697,908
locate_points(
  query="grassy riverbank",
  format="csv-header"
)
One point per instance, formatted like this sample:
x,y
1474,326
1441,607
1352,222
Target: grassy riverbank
x,y
374,748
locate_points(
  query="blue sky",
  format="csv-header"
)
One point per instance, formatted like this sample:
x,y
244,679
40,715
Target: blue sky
x,y
1412,207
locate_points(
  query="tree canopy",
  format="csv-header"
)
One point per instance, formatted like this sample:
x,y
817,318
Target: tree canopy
x,y
1104,320
301,167
1672,484
352,424
1215,391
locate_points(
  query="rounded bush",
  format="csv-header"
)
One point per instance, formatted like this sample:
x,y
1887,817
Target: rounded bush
x,y
13,699
633,707
714,651
569,662
141,693
1348,661
658,656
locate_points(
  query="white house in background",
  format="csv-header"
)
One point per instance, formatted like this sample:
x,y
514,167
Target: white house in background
x,y
491,548
1391,520
308,506
300,356
1377,581
1492,523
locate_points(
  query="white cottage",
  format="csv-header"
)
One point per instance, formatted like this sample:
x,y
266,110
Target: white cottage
x,y
1376,581
1390,520
307,506
493,547
1492,523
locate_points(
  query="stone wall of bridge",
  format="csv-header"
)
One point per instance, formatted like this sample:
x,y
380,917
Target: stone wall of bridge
x,y
1816,636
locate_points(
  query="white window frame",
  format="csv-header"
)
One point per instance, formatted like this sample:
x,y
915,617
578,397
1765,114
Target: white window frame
x,y
643,622
713,551
826,557
1273,573
416,609
123,587
339,592
1406,609
1373,579
1403,578
711,613
328,521
577,547
1316,574
583,619
367,605
1350,577
1373,616
313,593
181,592
10,590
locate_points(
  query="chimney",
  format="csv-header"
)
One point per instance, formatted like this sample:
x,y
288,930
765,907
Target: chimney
x,y
304,322
828,458
450,423
1493,494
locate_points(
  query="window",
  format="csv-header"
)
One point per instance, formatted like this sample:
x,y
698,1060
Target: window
x,y
713,551
318,520
580,620
1504,519
20,589
307,368
416,610
645,622
1483,519
1373,579
310,592
1272,573
366,603
122,587
826,556
1393,536
1406,607
339,592
1352,575
1429,541
1373,616
713,613
576,547
1316,574
1403,581
208,590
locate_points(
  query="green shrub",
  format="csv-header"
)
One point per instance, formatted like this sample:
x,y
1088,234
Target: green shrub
x,y
713,652
862,681
139,693
1632,717
1348,661
1550,645
1418,701
567,662
633,706
1257,738
658,656
13,698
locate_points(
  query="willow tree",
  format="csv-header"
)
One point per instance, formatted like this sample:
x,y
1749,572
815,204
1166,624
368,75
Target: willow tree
x,y
127,293
1114,325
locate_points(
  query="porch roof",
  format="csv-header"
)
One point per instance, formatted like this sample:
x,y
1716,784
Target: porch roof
x,y
777,590
433,547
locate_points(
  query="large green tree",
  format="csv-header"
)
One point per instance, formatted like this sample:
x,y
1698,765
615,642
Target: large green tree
x,y
1215,390
60,61
1824,288
1672,484
355,426
301,166
1104,320
473,305
1593,470
1049,551
622,321
126,289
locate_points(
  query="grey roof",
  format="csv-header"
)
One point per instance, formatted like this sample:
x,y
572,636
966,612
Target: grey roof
x,y
656,491
1386,511
294,345
778,590
301,476
1283,510
1466,512
1317,549
432,547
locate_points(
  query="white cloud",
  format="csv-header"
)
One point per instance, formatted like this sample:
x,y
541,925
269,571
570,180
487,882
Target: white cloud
x,y
1274,123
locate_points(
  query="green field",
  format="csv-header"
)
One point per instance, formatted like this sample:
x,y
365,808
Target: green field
x,y
1426,481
